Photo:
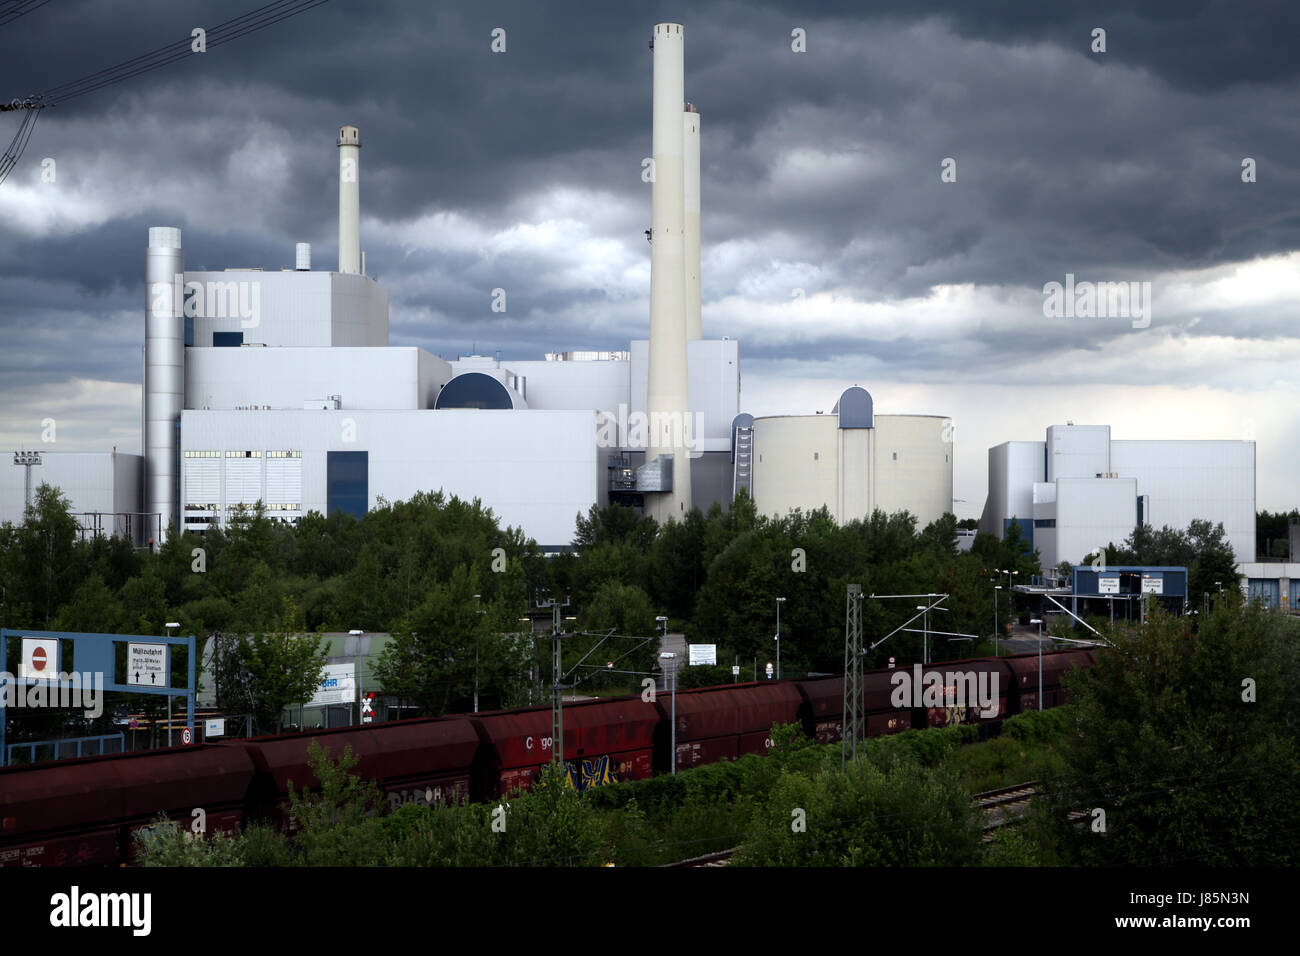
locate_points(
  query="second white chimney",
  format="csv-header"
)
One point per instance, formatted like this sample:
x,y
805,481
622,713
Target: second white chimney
x,y
349,199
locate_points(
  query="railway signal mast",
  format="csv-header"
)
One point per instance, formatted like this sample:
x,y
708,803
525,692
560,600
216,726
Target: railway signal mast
x,y
557,707
853,716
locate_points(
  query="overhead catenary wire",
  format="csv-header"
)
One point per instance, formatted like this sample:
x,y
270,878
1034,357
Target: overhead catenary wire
x,y
232,29
15,151
19,8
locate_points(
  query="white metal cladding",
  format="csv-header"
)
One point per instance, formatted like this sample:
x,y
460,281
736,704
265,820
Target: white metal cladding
x,y
284,480
102,482
202,481
1013,468
595,385
535,469
387,378
292,308
714,375
1077,451
1187,480
243,481
1091,513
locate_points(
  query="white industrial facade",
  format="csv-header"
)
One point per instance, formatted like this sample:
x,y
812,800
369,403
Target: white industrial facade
x,y
102,488
1078,490
853,462
535,469
281,387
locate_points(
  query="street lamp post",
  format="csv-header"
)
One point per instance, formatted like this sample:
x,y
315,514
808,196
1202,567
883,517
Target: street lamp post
x,y
357,658
669,664
477,597
996,589
1039,622
779,602
171,626
1011,601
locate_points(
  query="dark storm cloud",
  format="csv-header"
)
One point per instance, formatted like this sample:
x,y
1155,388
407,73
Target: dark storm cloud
x,y
821,167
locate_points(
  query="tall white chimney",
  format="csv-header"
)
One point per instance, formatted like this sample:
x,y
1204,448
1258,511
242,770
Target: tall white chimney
x,y
667,400
349,199
302,257
164,373
691,188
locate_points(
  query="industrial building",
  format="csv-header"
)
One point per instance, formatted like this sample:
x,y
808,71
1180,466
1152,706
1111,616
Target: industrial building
x,y
103,488
281,387
1079,490
853,461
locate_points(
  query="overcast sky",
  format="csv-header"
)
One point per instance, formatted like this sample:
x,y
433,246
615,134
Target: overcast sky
x,y
821,173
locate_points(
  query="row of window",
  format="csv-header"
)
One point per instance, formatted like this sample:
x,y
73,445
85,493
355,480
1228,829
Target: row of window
x,y
269,506
243,454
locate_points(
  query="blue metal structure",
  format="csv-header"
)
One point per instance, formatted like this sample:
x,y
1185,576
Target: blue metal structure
x,y
97,654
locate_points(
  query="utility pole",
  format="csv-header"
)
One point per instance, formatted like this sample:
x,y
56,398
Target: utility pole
x,y
853,717
557,707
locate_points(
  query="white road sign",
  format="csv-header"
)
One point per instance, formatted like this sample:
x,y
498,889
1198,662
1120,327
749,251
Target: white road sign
x,y
1108,585
146,665
214,727
1153,585
703,654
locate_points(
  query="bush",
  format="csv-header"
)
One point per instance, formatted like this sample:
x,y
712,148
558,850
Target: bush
x,y
865,816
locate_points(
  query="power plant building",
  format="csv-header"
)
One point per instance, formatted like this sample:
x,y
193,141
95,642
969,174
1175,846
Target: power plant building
x,y
1079,490
281,387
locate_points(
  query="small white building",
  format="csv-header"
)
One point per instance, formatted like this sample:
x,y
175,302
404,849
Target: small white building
x,y
1079,490
102,487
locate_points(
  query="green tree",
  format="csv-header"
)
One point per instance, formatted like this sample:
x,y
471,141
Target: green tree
x,y
280,669
1188,743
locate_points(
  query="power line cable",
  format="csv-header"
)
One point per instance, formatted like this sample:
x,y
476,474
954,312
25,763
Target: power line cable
x,y
20,8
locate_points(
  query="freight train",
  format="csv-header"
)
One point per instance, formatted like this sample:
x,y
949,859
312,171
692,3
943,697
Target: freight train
x,y
86,811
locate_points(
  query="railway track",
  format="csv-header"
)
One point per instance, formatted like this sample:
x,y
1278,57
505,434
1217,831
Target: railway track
x,y
1006,804
1000,807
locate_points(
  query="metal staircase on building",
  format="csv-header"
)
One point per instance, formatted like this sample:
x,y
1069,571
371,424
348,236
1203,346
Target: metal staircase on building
x,y
743,464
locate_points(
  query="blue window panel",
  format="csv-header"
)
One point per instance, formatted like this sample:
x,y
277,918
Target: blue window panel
x,y
227,339
347,482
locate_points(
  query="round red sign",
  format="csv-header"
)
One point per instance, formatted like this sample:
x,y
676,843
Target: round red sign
x,y
38,659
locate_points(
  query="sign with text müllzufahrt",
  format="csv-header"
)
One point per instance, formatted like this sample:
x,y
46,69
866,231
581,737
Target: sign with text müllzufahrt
x,y
146,665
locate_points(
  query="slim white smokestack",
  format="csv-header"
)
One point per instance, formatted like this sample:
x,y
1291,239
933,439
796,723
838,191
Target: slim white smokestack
x,y
164,372
667,391
349,199
691,188
302,257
